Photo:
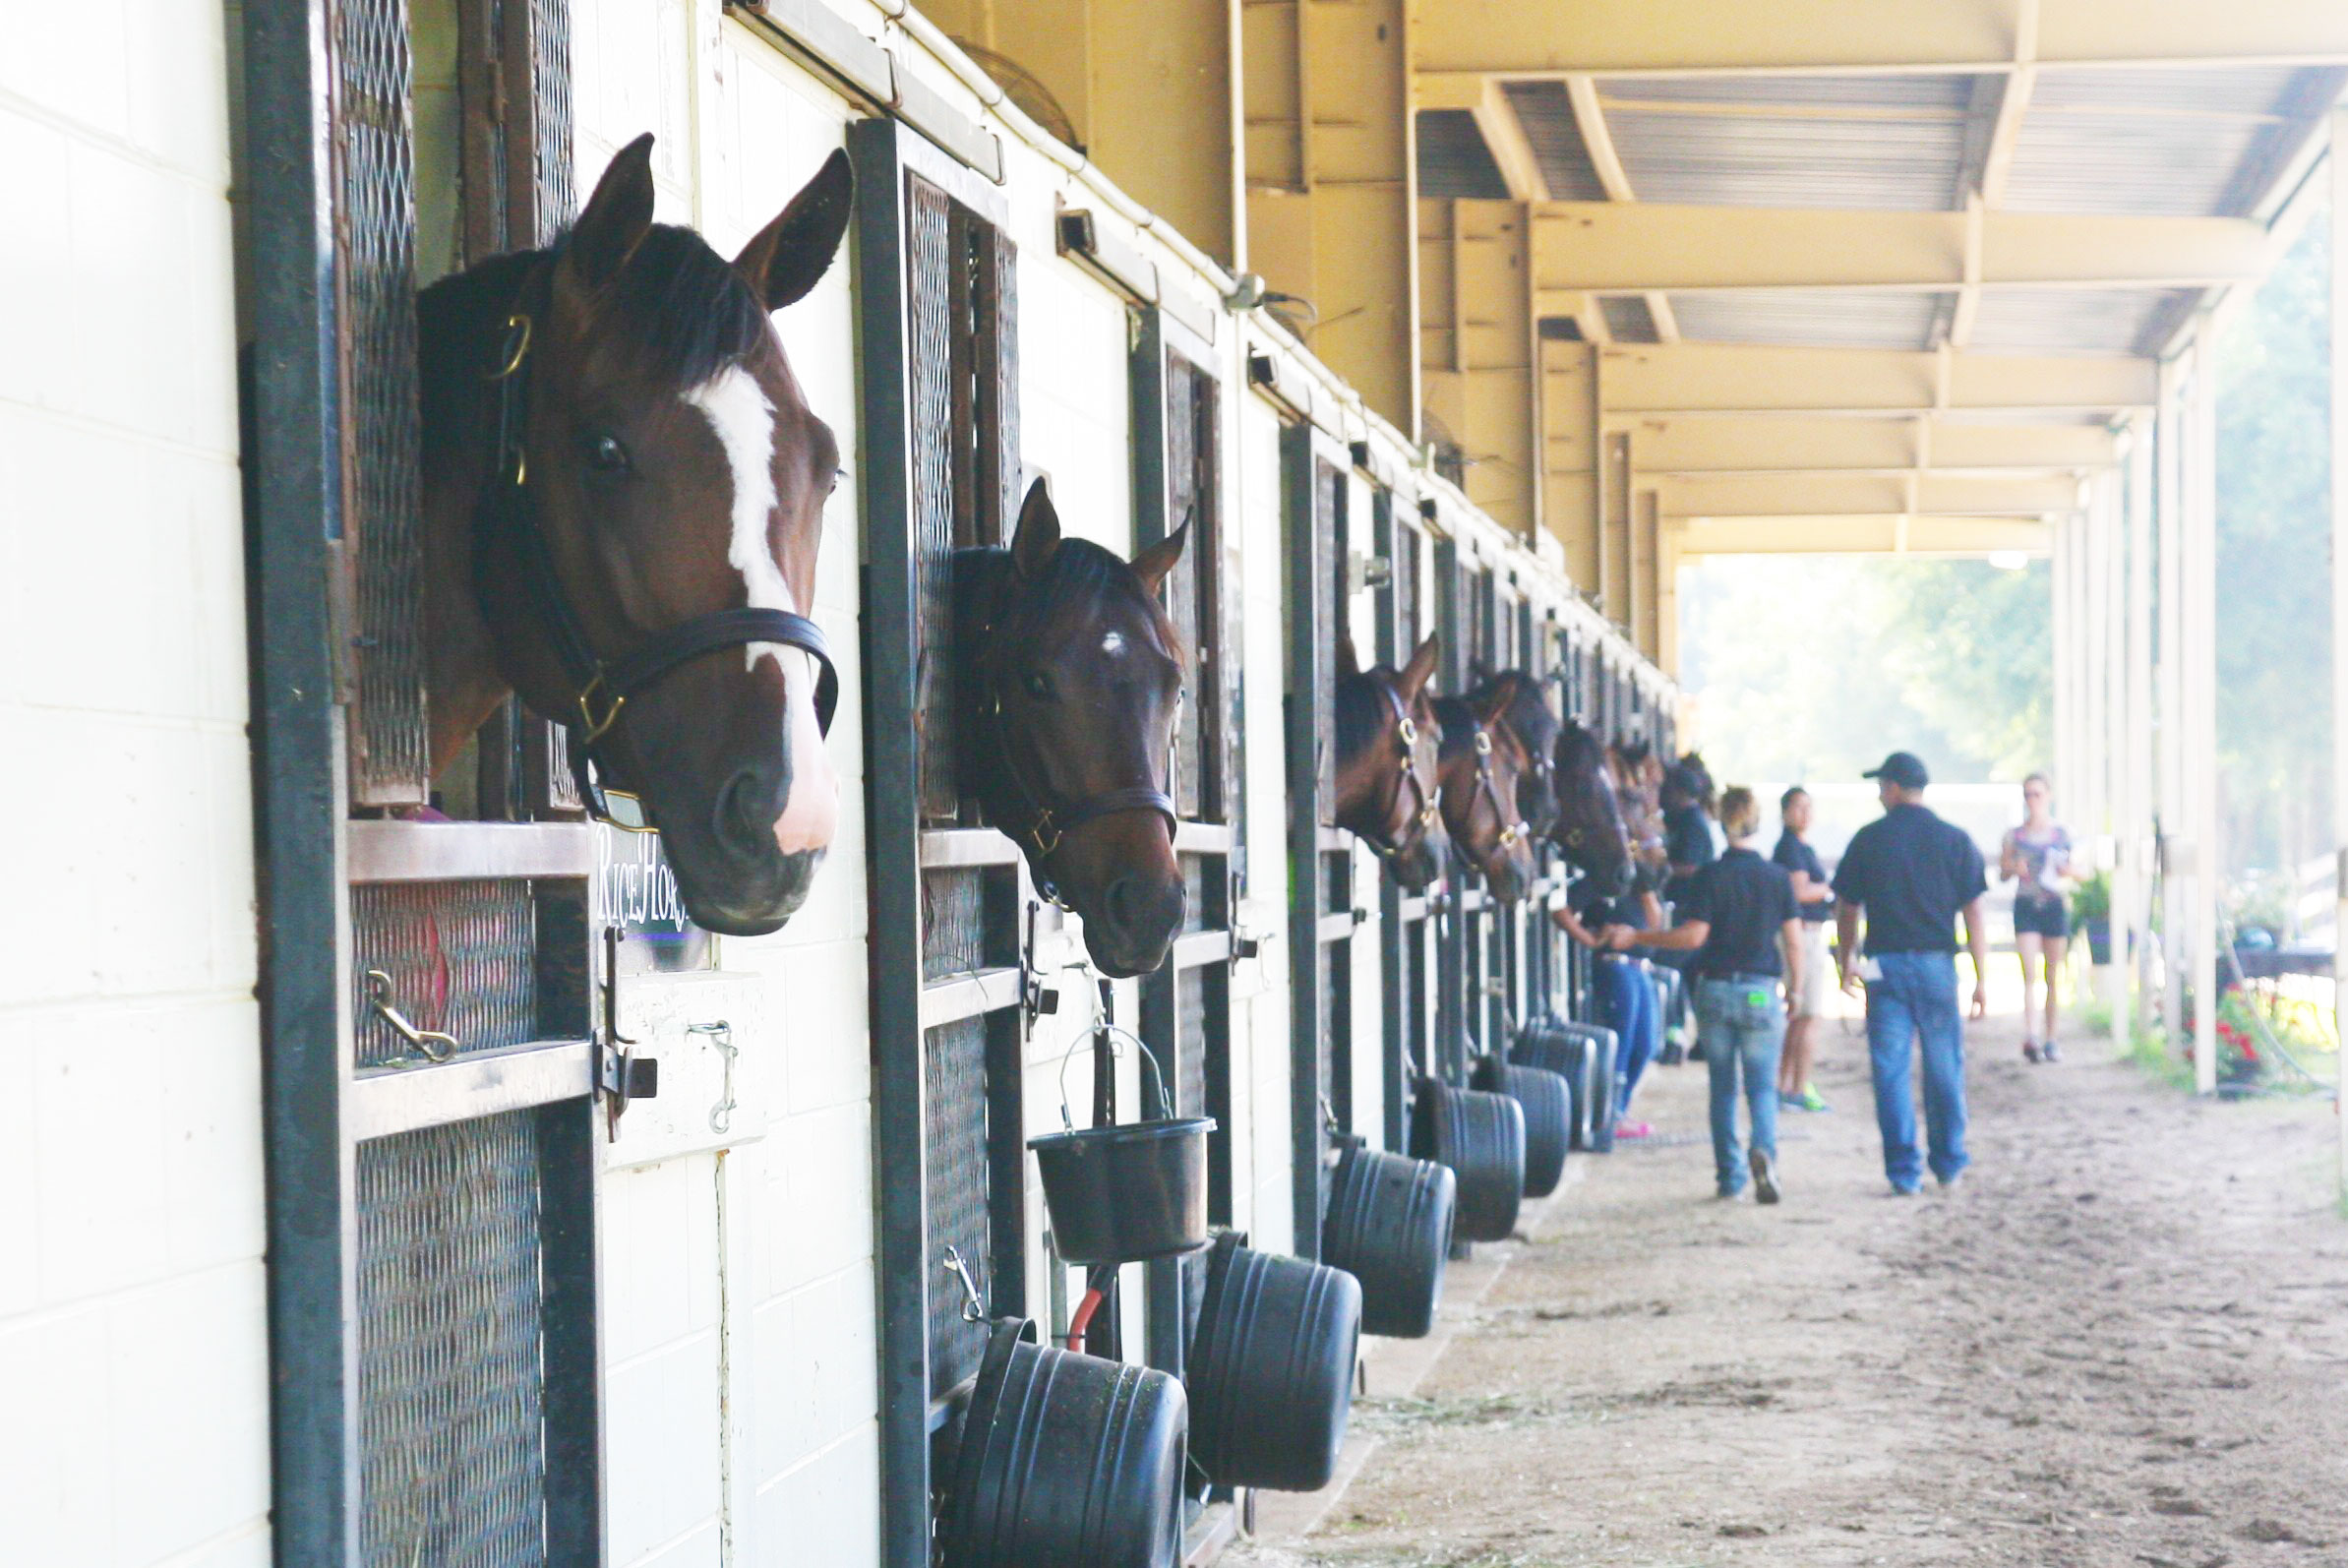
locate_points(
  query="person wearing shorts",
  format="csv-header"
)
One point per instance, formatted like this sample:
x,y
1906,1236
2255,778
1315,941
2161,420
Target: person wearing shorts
x,y
1815,900
2036,859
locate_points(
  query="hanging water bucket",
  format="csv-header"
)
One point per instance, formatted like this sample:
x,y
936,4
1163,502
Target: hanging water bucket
x,y
1389,1226
1272,1369
1067,1461
1126,1193
1482,1138
1547,1103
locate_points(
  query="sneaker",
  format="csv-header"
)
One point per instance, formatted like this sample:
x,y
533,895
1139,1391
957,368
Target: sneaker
x,y
1809,1100
1727,1195
1765,1178
2029,1051
2048,1052
1950,1184
1899,1191
1634,1129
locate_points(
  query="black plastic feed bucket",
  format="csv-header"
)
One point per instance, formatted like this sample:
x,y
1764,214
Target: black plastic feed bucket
x,y
1127,1193
1067,1461
1547,1103
1482,1138
1272,1369
1605,1056
1389,1226
1574,1051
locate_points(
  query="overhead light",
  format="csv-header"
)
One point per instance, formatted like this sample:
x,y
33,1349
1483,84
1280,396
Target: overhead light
x,y
2009,560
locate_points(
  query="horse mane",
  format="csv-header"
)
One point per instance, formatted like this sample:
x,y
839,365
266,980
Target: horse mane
x,y
1361,710
1077,574
681,306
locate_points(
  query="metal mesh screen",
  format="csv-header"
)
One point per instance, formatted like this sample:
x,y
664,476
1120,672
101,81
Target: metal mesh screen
x,y
550,114
375,277
996,330
954,922
1328,522
1184,601
930,306
1336,1032
1407,637
1191,1023
451,1415
461,957
954,1095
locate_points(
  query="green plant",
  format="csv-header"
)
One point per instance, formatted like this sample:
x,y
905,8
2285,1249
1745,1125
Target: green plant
x,y
2091,899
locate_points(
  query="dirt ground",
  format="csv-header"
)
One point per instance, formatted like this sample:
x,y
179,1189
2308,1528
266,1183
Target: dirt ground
x,y
2123,1341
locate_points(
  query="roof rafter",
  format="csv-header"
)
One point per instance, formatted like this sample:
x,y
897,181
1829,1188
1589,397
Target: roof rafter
x,y
1862,533
1722,378
1929,494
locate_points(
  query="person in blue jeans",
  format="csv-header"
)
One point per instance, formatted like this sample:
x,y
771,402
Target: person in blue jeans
x,y
1908,875
1627,995
1739,920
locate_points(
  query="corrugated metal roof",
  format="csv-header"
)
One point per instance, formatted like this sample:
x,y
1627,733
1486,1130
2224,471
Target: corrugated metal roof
x,y
2079,321
1627,319
1887,90
1810,318
1546,114
1453,160
2160,142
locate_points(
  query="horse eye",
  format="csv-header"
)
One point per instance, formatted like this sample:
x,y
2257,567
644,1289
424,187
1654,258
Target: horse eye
x,y
1038,687
607,455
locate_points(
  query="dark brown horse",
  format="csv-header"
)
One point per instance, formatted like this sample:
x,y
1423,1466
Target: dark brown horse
x,y
1070,678
1480,765
1638,793
1535,724
624,492
1387,744
1588,821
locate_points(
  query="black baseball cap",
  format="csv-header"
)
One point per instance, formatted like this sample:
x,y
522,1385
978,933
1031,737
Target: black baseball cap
x,y
1904,769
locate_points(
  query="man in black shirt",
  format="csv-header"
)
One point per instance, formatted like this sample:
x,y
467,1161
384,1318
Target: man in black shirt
x,y
1739,921
1808,1004
1909,875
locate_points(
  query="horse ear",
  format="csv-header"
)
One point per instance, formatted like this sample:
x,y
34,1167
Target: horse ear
x,y
1497,696
1039,531
784,259
1152,564
617,218
1349,663
1420,670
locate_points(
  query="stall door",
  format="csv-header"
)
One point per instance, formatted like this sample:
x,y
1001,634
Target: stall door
x,y
431,1055
1185,1006
1406,930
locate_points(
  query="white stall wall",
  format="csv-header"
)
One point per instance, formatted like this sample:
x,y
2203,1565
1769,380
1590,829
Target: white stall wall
x,y
133,1329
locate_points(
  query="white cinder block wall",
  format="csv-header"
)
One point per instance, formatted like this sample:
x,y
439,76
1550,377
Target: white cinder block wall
x,y
133,1329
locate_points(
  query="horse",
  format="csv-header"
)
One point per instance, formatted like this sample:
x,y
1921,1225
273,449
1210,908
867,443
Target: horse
x,y
623,499
1072,674
1479,766
1387,741
1535,724
1589,822
1638,786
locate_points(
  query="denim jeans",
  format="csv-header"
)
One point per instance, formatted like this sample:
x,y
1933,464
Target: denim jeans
x,y
1628,996
1742,1036
1916,997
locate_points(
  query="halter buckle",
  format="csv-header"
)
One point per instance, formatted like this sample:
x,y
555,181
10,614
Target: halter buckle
x,y
1483,742
1409,733
594,729
517,345
1043,825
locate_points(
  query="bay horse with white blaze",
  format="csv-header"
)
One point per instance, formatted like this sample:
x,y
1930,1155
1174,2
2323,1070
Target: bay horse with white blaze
x,y
624,493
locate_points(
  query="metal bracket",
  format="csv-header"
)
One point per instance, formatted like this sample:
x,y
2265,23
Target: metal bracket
x,y
721,1035
620,1074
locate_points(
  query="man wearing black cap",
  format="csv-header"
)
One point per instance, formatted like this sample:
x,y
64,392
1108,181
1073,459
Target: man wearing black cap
x,y
1910,874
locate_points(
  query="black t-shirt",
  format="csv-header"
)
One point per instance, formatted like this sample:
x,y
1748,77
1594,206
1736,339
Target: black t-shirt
x,y
1688,840
1796,856
1914,873
1745,899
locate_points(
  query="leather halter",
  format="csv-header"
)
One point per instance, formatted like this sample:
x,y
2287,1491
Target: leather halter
x,y
1415,829
1039,821
507,517
1511,829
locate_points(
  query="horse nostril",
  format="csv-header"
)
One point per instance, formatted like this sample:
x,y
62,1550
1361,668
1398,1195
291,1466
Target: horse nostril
x,y
1135,904
746,808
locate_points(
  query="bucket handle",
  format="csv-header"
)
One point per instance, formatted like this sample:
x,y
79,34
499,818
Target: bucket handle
x,y
1157,1076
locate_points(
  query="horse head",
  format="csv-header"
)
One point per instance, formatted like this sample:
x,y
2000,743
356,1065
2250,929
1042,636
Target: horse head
x,y
1589,824
623,498
1074,673
1480,765
1387,742
1534,723
1637,796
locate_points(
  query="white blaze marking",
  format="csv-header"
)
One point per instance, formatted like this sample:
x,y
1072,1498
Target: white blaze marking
x,y
1114,645
743,422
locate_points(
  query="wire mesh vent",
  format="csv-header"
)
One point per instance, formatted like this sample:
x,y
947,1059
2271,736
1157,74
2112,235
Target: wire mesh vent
x,y
1186,602
1406,592
1192,1041
954,1100
1327,521
930,306
376,268
1336,1033
549,115
954,922
461,957
453,1467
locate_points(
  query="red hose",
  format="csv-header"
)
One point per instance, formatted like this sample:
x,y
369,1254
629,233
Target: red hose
x,y
1083,1318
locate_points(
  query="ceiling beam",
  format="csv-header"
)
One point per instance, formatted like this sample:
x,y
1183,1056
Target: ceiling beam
x,y
1750,444
1561,38
1863,534
1622,247
1589,121
1726,378
1798,495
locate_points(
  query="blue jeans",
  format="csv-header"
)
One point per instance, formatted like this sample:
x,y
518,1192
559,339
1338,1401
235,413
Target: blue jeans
x,y
1743,1036
1916,995
1628,997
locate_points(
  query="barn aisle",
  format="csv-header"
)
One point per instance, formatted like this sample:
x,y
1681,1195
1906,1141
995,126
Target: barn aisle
x,y
2118,1343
